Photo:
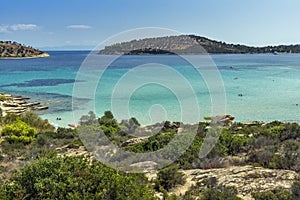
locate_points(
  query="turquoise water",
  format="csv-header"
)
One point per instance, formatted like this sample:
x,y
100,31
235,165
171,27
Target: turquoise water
x,y
269,84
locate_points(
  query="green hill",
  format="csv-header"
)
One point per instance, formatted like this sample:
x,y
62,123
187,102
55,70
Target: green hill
x,y
190,44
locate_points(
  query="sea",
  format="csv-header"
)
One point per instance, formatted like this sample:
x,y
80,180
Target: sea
x,y
154,88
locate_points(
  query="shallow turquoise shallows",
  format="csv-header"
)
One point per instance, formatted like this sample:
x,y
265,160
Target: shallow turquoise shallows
x,y
258,87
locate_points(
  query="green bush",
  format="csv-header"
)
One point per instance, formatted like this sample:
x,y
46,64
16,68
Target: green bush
x,y
1,115
1,158
290,131
2,97
273,195
75,144
135,121
36,122
296,189
31,119
284,156
62,133
234,143
153,143
221,193
108,124
9,118
19,132
191,155
88,119
209,190
168,178
41,139
129,126
74,178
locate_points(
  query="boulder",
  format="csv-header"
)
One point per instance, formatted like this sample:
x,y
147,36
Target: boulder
x,y
145,166
134,141
222,120
170,125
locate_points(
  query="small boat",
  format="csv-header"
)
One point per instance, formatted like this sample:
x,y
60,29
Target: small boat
x,y
73,125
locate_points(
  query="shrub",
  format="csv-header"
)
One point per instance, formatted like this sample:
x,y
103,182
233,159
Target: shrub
x,y
36,122
41,139
19,132
296,189
66,133
273,195
2,97
169,177
31,119
235,143
75,144
10,118
135,121
221,193
88,119
153,143
108,124
1,115
62,133
77,178
290,131
1,158
130,125
263,141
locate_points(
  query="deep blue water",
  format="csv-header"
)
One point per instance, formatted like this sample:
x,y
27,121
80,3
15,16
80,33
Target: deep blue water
x,y
269,84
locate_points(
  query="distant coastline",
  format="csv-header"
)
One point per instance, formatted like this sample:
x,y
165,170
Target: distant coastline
x,y
190,44
14,50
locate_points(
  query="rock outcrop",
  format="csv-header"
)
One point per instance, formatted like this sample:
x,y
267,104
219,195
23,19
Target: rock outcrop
x,y
222,120
246,179
18,105
170,125
134,141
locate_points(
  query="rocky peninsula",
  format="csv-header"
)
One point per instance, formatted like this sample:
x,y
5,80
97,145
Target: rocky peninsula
x,y
10,49
18,104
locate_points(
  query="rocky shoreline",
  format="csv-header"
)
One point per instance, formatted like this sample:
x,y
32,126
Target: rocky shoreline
x,y
43,55
18,104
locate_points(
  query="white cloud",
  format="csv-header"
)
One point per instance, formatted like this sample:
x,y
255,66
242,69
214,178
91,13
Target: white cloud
x,y
21,27
79,26
4,29
17,27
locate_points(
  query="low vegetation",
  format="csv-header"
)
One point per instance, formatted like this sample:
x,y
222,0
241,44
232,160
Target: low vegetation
x,y
19,132
38,162
273,195
168,178
53,177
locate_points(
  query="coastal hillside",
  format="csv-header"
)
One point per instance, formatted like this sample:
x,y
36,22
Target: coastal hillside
x,y
190,44
10,49
250,161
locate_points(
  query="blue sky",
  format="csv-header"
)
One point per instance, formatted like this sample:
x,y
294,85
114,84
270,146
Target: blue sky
x,y
85,23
